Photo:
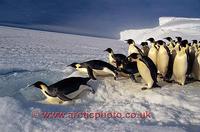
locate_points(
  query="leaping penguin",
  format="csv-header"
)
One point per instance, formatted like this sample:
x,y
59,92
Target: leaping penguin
x,y
96,67
64,90
131,69
115,59
147,69
132,47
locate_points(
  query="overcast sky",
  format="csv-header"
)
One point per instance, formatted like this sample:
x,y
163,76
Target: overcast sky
x,y
94,17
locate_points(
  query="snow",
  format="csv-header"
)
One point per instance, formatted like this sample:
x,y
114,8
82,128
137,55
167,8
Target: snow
x,y
29,55
188,28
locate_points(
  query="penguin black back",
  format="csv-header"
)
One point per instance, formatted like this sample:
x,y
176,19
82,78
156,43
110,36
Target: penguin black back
x,y
99,64
69,85
151,66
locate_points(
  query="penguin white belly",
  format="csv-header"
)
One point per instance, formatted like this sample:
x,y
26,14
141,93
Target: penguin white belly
x,y
111,60
145,73
180,68
132,49
170,47
52,100
153,55
196,67
162,61
82,91
104,72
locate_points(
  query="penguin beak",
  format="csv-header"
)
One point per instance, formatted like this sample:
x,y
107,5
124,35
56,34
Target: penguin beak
x,y
30,85
71,65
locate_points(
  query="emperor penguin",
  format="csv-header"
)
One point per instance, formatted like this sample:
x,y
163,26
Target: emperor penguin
x,y
196,66
171,43
190,57
65,90
146,68
96,67
131,69
193,50
164,60
179,39
145,48
116,60
133,47
180,65
153,51
194,47
198,44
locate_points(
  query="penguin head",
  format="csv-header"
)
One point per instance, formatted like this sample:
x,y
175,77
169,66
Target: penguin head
x,y
109,50
144,43
73,65
184,43
152,40
194,41
168,39
179,39
134,57
130,41
39,84
160,42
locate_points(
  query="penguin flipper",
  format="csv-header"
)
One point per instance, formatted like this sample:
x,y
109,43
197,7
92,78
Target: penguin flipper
x,y
90,73
63,97
144,88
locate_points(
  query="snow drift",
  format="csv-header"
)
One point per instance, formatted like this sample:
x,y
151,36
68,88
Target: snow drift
x,y
188,28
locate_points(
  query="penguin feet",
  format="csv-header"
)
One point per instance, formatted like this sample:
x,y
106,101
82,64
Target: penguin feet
x,y
155,85
144,88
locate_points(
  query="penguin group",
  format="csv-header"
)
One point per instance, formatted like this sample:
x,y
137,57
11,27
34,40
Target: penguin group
x,y
173,60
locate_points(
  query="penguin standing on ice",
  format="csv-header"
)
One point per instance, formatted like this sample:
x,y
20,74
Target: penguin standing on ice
x,y
145,48
146,68
96,67
132,47
180,65
116,60
196,66
191,56
164,60
64,90
153,51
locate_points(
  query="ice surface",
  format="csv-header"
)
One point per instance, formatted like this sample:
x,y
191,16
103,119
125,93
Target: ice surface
x,y
28,56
